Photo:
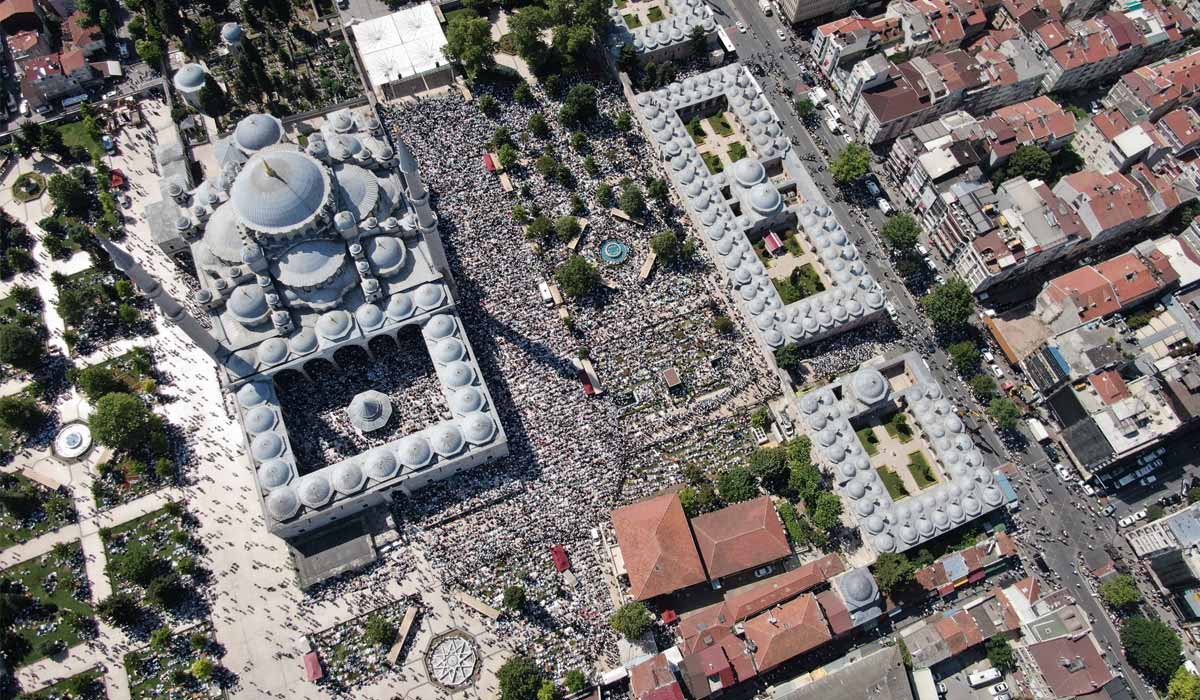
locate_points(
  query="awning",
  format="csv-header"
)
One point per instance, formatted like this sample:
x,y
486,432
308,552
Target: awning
x,y
561,561
773,242
977,577
489,162
312,666
116,179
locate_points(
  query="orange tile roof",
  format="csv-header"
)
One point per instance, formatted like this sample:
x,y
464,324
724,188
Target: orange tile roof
x,y
653,680
657,546
787,631
740,536
1111,123
704,627
745,602
1129,276
24,41
835,611
73,60
1112,198
1088,290
1084,673
1110,386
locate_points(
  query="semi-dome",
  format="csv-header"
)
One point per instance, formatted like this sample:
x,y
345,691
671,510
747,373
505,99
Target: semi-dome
x,y
282,503
274,473
414,451
257,131
315,490
266,446
348,478
369,410
248,304
190,77
765,199
358,190
386,253
870,386
272,351
479,428
449,350
466,400
749,172
310,264
253,394
447,440
279,190
380,464
222,236
260,419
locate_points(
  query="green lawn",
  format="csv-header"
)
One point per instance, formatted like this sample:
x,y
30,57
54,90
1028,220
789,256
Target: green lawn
x,y
655,14
153,533
720,124
151,671
802,282
899,428
621,4
74,134
632,21
737,152
869,442
891,481
713,162
64,581
696,130
63,690
14,530
919,467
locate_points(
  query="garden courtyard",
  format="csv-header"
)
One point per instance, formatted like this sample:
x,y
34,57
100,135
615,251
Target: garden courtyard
x,y
900,454
639,13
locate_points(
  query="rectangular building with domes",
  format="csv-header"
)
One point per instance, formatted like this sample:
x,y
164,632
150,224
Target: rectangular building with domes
x,y
332,316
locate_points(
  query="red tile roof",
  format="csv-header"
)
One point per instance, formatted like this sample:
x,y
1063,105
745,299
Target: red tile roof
x,y
704,627
38,68
787,631
1112,198
9,8
1110,386
1129,276
1092,295
1184,125
960,631
745,602
657,546
79,34
740,537
24,41
72,61
1071,667
1039,121
840,621
1111,123
653,680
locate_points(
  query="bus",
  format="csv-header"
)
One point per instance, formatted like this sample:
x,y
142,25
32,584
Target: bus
x,y
983,677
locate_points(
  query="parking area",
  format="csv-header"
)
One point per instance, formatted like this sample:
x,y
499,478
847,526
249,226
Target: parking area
x,y
953,675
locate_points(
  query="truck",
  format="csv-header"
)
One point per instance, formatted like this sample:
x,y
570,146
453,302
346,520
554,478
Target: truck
x,y
982,678
1038,430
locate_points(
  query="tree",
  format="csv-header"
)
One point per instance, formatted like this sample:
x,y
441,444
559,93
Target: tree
x,y
624,122
579,105
548,691
1030,162
123,422
538,125
852,163
901,232
1004,412
736,484
519,678
769,465
949,305
151,52
213,101
828,513
20,347
658,190
20,413
604,194
1120,592
203,668
488,105
97,380
576,681
1193,495
119,609
1152,647
380,631
1184,685
1154,512
697,500
546,165
805,480
893,572
983,386
160,639
631,620
669,249
469,43
1000,653
789,356
631,202
514,598
723,324
523,94
805,107
141,566
698,40
577,277
761,419
965,356
69,195
566,228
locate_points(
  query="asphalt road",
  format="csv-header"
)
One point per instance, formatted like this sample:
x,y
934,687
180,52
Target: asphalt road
x,y
1049,508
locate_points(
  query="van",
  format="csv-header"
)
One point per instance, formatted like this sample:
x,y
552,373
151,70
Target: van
x,y
122,49
547,297
884,206
833,125
982,678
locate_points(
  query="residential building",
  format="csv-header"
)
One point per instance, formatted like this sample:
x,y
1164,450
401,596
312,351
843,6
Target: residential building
x,y
1151,91
28,44
89,40
784,632
1097,142
653,679
796,11
1096,291
847,40
739,537
56,76
1037,122
1068,667
1112,205
879,675
18,16
968,566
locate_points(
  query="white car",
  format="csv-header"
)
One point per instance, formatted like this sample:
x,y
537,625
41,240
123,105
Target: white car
x,y
1126,521
1063,472
997,371
764,571
833,125
999,688
741,27
884,205
779,33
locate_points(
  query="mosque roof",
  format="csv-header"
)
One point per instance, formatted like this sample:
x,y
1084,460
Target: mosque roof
x,y
279,190
258,131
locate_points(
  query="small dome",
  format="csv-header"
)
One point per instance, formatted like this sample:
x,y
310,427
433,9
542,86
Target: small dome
x,y
266,446
248,304
303,342
466,399
971,506
272,351
429,296
447,440
315,490
386,253
765,199
274,473
479,428
381,464
369,410
449,350
749,172
457,374
874,524
440,326
257,131
253,394
870,386
190,77
341,120
348,478
414,451
260,419
333,325
231,32
908,535
369,316
859,587
399,306
282,503
885,543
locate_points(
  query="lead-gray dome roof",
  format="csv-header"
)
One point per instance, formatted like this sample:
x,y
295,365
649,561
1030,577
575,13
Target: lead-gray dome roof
x,y
414,451
478,428
248,303
870,386
358,190
348,478
749,172
252,394
369,410
447,440
282,503
859,587
765,199
279,190
231,32
258,131
386,253
315,490
310,263
260,419
266,446
190,77
274,473
380,464
466,400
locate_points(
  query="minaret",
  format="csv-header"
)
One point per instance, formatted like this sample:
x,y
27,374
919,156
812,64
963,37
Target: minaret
x,y
171,308
419,197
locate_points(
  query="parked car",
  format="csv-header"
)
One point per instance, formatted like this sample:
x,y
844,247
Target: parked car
x,y
1148,480
1062,471
779,33
1108,510
763,571
999,688
741,27
873,188
922,251
883,205
997,371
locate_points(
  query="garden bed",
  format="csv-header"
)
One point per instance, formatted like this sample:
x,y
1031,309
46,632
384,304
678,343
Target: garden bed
x,y
801,283
870,443
631,20
713,162
88,685
159,542
921,472
97,310
167,672
56,578
893,484
45,509
350,658
28,187
898,427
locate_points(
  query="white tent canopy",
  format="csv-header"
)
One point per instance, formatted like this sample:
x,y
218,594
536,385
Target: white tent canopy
x,y
401,45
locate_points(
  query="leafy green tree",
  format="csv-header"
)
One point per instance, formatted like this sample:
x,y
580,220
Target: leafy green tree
x,y
723,324
523,94
1184,685
514,598
538,126
21,414
488,105
1152,647
576,681
519,678
1001,654
1193,495
658,190
1030,162
577,277
123,422
566,228
150,51
983,386
965,356
852,163
697,500
20,347
805,107
213,101
69,195
670,250
380,631
736,484
119,609
1120,592
1004,412
203,668
548,691
632,202
160,639
631,620
949,306
893,572
97,380
901,232
828,513
1154,512
624,122
579,105
769,465
469,43
508,154
604,194
804,478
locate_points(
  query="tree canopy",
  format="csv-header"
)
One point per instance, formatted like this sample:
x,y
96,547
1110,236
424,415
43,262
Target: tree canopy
x,y
1184,685
70,196
1028,161
1120,591
123,422
1004,412
577,276
514,598
827,515
950,305
20,347
852,163
469,43
901,232
631,620
1152,647
632,201
20,413
965,356
670,249
892,571
1000,653
736,484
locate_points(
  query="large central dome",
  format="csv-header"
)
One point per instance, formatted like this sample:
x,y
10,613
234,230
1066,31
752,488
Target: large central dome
x,y
279,190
